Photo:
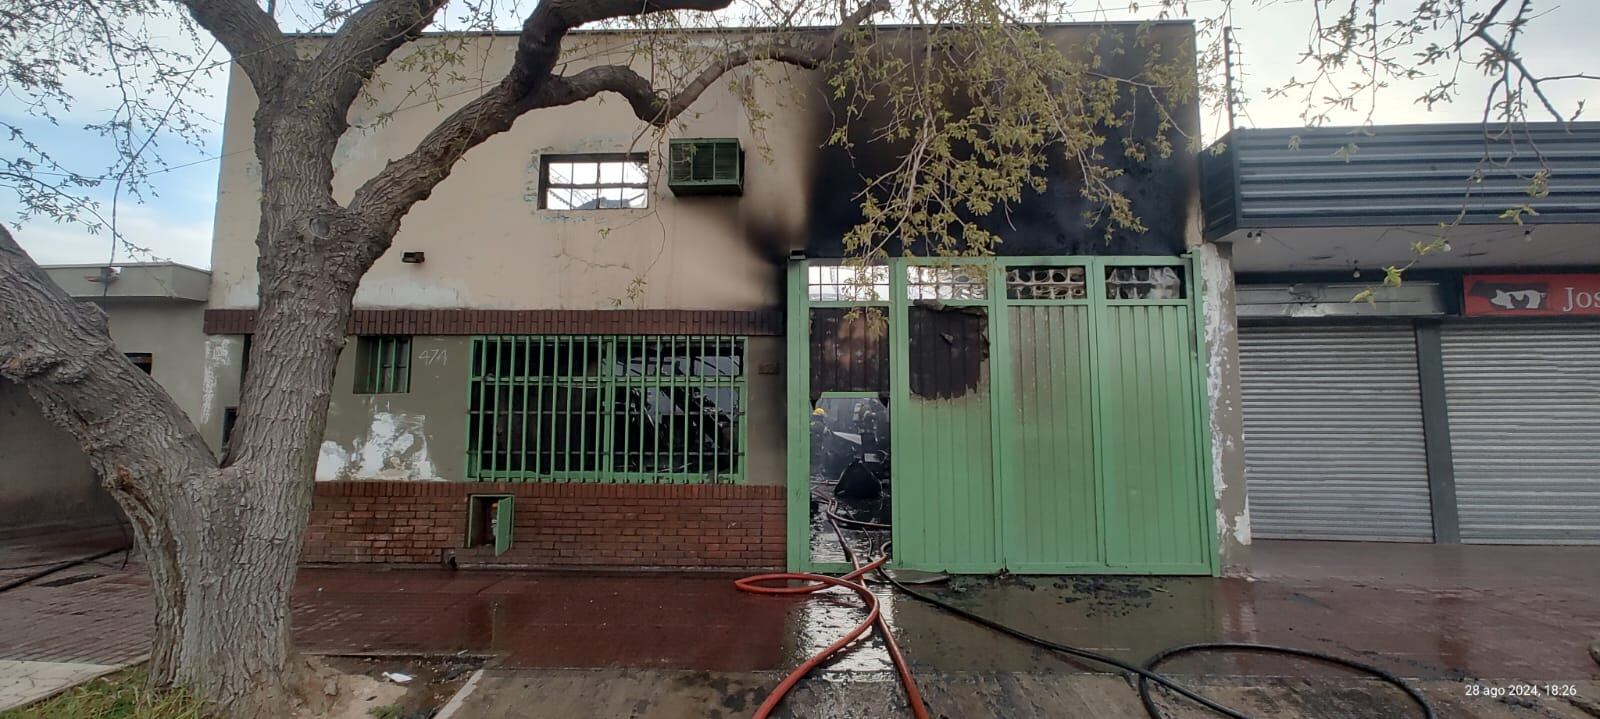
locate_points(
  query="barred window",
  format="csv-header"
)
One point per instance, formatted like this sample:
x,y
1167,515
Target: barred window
x,y
383,365
607,408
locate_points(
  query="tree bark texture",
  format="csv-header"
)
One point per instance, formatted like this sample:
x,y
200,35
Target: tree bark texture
x,y
222,538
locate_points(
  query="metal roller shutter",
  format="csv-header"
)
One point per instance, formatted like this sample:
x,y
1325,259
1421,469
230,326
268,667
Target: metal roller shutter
x,y
1524,403
1333,432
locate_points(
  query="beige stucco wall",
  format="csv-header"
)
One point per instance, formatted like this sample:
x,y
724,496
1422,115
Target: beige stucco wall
x,y
172,333
44,477
418,435
487,243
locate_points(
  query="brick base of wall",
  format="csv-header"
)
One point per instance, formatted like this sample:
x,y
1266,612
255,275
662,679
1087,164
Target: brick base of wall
x,y
556,525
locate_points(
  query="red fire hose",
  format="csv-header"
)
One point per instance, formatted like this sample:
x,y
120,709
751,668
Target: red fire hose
x,y
1146,673
818,582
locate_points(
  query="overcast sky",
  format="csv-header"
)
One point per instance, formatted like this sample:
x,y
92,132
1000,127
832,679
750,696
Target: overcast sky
x,y
176,224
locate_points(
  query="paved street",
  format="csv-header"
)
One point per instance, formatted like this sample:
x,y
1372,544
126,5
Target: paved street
x,y
1453,617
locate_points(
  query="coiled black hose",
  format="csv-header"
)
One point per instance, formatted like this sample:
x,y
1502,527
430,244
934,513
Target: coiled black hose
x,y
1147,673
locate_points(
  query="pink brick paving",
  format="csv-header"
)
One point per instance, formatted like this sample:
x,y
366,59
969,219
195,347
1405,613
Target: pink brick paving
x,y
105,620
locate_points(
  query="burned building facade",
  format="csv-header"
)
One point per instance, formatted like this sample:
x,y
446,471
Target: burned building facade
x,y
588,349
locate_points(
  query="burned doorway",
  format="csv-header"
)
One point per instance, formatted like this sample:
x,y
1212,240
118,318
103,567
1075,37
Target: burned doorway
x,y
848,476
1047,414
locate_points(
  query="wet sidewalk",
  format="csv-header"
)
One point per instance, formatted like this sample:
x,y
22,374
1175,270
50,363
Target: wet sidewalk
x,y
1459,615
1418,610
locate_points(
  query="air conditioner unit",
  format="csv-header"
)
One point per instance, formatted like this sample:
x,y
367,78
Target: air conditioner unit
x,y
706,166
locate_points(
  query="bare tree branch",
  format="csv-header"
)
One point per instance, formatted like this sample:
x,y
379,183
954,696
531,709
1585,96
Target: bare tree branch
x,y
251,37
363,43
384,199
529,85
650,106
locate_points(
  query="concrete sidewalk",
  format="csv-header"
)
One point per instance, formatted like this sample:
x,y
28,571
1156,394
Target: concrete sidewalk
x,y
73,625
612,693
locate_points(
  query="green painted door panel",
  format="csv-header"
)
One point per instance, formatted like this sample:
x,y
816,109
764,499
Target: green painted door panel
x,y
943,447
504,522
1155,514
1051,499
1078,446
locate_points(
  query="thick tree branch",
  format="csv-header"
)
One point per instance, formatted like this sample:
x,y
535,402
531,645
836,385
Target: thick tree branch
x,y
386,198
250,36
365,40
61,351
383,200
652,106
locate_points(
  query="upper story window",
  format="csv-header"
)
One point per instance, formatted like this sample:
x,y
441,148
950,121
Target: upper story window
x,y
594,182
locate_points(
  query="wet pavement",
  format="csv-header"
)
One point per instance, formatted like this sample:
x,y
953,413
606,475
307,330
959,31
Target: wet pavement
x,y
1453,616
542,619
1451,613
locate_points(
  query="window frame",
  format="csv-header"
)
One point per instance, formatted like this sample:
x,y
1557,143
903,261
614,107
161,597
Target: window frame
x,y
553,375
143,360
376,375
596,158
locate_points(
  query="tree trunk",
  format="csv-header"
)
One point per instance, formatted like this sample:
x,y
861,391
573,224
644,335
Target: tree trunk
x,y
221,540
227,622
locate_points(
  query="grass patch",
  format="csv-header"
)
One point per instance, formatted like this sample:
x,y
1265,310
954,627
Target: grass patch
x,y
121,695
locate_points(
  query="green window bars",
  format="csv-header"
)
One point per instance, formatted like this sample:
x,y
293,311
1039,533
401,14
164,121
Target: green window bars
x,y
597,408
383,364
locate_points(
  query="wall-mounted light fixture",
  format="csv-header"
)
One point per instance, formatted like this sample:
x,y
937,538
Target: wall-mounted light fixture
x,y
797,255
413,258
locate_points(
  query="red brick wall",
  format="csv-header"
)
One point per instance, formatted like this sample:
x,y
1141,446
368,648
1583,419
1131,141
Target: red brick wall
x,y
556,525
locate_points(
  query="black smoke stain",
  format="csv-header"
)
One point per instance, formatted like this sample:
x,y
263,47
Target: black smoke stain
x,y
1052,222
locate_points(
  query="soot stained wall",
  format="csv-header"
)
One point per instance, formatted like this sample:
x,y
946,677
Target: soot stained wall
x,y
1052,222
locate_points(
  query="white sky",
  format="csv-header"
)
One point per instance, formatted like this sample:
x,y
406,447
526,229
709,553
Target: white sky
x,y
1270,33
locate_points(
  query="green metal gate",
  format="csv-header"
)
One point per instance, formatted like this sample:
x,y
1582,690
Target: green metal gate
x,y
1046,416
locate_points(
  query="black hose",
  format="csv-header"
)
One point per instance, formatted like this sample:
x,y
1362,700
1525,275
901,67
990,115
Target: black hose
x,y
1147,673
1154,711
13,584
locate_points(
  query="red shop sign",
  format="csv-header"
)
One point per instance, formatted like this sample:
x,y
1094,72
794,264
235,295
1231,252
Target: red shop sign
x,y
1531,295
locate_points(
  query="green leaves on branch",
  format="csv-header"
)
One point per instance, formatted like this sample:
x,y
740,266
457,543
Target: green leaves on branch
x,y
978,106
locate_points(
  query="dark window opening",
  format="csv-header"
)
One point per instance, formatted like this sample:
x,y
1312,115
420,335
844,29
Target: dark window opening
x,y
230,417
142,360
383,365
949,351
607,408
849,350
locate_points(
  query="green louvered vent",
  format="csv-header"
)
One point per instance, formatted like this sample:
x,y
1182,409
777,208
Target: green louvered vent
x,y
706,166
